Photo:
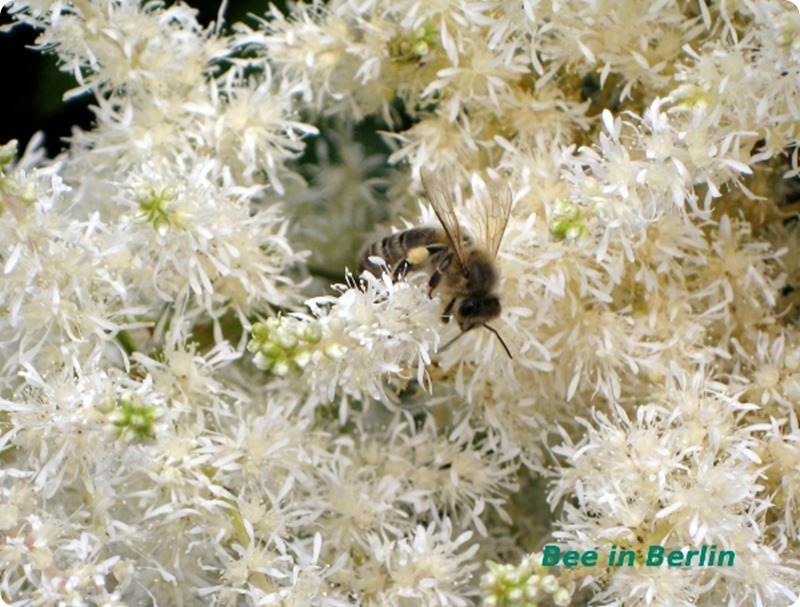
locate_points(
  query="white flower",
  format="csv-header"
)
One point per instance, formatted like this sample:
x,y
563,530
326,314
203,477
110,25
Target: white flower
x,y
684,475
429,567
365,335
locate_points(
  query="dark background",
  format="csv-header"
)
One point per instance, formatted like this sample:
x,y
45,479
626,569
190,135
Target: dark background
x,y
32,98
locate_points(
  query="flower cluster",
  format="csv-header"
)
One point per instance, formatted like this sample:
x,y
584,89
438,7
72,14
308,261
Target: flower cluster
x,y
193,410
352,343
689,472
525,585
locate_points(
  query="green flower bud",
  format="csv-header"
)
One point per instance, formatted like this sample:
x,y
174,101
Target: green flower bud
x,y
133,420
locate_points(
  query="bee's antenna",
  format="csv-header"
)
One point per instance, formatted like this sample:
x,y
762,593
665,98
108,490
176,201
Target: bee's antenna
x,y
492,329
452,341
505,347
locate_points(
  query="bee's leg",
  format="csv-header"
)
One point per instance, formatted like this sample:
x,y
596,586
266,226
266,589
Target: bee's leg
x,y
436,277
447,310
416,257
400,270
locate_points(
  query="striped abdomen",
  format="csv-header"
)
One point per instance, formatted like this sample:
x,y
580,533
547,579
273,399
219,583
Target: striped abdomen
x,y
411,246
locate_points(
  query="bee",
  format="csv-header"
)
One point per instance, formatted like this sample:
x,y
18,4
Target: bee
x,y
461,268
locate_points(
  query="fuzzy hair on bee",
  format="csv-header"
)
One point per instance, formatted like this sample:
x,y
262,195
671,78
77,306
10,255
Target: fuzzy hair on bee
x,y
462,269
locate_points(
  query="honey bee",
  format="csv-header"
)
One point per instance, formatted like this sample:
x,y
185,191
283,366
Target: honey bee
x,y
463,269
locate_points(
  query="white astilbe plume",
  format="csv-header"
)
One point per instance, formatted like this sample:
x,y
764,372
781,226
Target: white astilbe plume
x,y
348,345
683,475
237,256
65,294
428,567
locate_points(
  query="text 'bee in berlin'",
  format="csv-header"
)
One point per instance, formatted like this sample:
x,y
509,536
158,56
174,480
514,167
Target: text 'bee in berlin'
x,y
462,269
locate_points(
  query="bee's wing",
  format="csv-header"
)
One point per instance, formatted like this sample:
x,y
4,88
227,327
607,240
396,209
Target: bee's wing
x,y
442,202
493,221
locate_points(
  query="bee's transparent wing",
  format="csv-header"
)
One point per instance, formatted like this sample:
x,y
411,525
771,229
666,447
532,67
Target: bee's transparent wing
x,y
494,219
442,202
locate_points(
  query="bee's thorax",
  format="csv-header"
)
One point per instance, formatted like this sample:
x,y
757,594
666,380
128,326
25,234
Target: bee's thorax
x,y
481,274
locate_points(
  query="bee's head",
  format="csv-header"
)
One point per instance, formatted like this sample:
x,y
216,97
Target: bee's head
x,y
474,312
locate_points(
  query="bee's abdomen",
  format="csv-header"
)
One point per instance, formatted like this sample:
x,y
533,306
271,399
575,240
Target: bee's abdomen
x,y
395,249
